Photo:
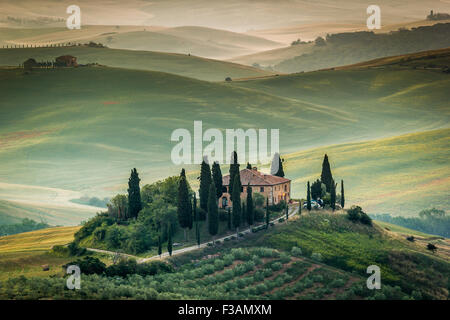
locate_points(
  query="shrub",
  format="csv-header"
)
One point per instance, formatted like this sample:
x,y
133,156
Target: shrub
x,y
276,266
355,214
219,264
296,251
316,256
88,265
75,249
280,220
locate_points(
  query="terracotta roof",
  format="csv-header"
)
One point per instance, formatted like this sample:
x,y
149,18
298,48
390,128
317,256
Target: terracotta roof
x,y
256,178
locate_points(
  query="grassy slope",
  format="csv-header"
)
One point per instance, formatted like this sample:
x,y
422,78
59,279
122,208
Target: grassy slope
x,y
309,32
25,253
181,64
338,52
342,244
400,175
205,42
93,132
353,247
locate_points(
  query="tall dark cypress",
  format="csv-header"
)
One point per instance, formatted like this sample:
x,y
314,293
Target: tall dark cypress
x,y
237,202
194,209
249,166
308,197
280,172
205,182
169,240
217,178
244,213
197,234
250,208
234,170
134,194
326,177
184,210
159,246
333,195
229,218
213,212
267,213
196,219
342,194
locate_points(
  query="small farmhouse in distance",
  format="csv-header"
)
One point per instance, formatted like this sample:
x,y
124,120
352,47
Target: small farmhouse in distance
x,y
66,61
272,187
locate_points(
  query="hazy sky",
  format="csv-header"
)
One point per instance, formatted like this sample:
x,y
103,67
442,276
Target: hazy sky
x,y
235,15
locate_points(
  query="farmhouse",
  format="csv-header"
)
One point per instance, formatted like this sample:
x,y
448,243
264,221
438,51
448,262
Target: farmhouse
x,y
274,188
66,61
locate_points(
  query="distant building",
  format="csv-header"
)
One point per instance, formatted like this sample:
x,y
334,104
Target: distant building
x,y
66,61
29,64
272,187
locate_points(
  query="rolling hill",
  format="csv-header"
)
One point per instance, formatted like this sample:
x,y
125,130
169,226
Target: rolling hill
x,y
353,47
86,137
199,41
314,256
400,175
189,66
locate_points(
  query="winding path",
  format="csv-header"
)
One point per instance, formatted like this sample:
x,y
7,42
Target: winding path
x,y
292,212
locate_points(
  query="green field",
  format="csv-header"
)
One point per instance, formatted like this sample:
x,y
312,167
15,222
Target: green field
x,y
91,125
331,264
198,41
181,64
401,175
25,253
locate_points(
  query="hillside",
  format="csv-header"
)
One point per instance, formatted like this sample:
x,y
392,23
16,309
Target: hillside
x,y
352,47
181,64
198,41
329,261
401,175
121,123
24,254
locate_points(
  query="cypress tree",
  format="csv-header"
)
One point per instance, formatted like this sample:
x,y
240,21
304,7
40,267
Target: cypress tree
x,y
213,213
249,166
194,210
134,194
159,246
244,213
250,209
169,240
184,210
342,194
236,203
276,168
197,233
299,207
229,218
333,195
205,182
308,197
217,178
326,177
280,172
267,213
234,171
